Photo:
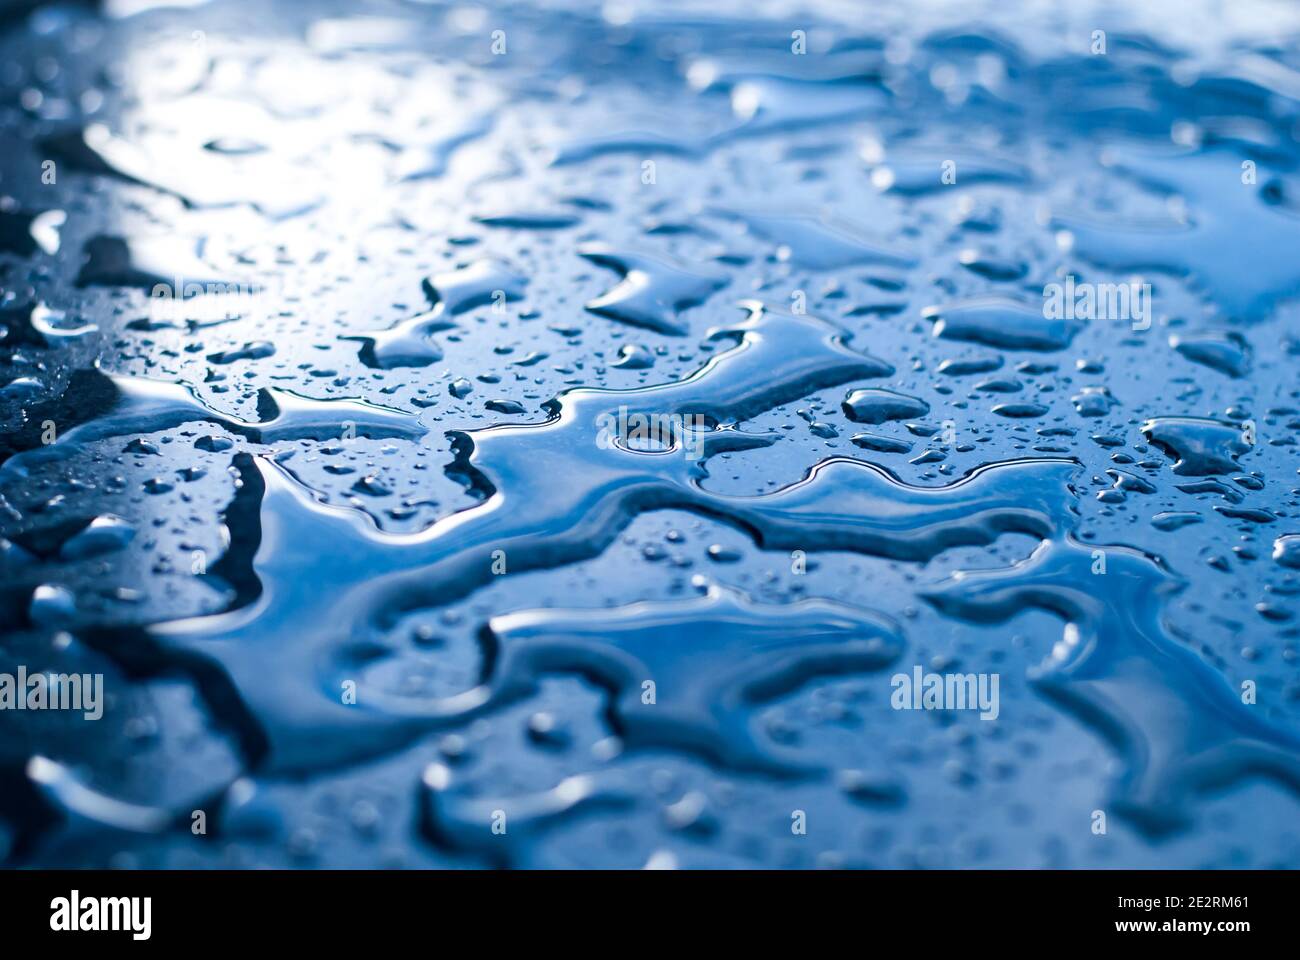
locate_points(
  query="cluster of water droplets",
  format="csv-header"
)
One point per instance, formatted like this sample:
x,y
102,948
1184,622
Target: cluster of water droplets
x,y
325,333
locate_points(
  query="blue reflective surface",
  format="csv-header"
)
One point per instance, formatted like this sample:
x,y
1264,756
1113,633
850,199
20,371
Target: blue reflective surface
x,y
528,436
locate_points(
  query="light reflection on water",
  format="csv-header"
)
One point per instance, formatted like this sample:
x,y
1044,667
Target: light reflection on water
x,y
467,235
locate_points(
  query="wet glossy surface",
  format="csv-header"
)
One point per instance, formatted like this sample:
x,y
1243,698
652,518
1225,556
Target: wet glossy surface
x,y
391,391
